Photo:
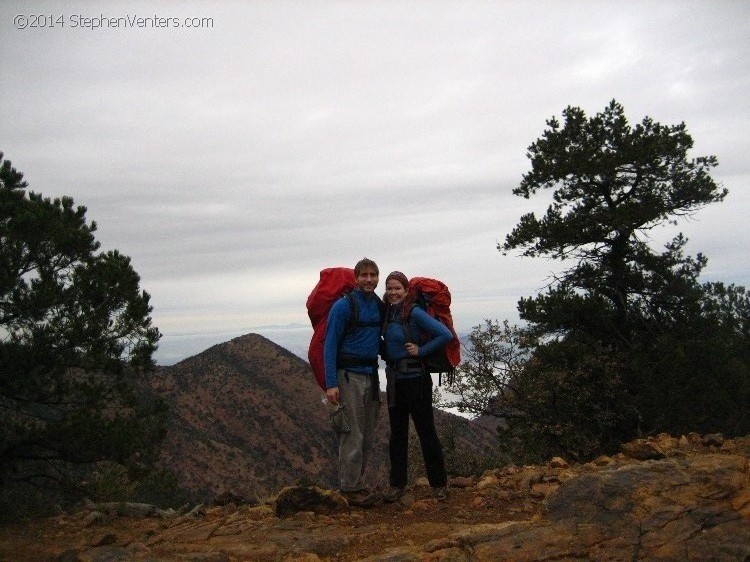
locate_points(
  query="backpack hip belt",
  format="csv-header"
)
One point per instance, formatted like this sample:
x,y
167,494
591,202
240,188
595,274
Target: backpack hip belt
x,y
407,365
344,361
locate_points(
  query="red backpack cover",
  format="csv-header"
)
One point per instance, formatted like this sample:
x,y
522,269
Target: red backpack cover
x,y
435,297
334,282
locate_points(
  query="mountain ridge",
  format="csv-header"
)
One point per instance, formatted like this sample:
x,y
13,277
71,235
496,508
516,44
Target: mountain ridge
x,y
247,419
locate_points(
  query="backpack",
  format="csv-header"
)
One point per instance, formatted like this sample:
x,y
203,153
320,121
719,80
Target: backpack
x,y
434,297
334,283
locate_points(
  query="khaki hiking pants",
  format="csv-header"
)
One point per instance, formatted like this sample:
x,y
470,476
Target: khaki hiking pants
x,y
359,395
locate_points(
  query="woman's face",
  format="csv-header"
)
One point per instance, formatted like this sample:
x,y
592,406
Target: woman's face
x,y
395,292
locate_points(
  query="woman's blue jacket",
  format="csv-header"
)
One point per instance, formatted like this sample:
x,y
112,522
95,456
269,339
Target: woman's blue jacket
x,y
420,323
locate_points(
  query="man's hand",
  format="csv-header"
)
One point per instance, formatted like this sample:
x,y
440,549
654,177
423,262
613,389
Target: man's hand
x,y
333,395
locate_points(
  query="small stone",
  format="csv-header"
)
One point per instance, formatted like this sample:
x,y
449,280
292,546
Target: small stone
x,y
558,462
713,440
643,450
462,482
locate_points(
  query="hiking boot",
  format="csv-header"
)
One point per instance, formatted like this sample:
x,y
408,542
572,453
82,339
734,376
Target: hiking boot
x,y
393,494
440,493
362,498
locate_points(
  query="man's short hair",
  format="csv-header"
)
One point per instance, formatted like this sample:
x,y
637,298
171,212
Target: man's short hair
x,y
363,263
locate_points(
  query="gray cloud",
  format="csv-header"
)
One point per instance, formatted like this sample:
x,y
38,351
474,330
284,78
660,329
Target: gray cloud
x,y
234,162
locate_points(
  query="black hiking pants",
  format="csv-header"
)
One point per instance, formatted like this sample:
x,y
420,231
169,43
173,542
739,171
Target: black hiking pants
x,y
413,398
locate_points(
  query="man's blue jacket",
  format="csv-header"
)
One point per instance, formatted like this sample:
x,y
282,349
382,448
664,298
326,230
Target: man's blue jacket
x,y
361,342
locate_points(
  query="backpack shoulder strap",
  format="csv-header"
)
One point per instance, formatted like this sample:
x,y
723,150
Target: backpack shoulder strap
x,y
405,323
353,312
382,307
354,322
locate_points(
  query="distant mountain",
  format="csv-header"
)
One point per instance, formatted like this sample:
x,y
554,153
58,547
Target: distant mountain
x,y
248,418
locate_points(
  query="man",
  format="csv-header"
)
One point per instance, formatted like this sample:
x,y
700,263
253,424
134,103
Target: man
x,y
351,366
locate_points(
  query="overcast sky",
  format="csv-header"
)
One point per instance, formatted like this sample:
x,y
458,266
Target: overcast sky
x,y
234,159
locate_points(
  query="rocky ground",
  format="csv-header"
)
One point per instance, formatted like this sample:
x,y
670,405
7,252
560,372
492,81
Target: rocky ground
x,y
660,499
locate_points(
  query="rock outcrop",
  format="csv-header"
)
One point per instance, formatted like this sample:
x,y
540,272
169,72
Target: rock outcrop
x,y
660,499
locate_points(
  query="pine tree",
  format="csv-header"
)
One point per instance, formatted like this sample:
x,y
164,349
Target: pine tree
x,y
75,335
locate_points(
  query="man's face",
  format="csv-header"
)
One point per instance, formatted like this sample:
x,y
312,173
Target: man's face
x,y
367,280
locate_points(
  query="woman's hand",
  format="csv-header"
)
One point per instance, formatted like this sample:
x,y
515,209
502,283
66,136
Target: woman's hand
x,y
412,349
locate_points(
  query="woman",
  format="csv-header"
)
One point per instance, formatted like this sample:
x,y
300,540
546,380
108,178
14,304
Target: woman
x,y
409,386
